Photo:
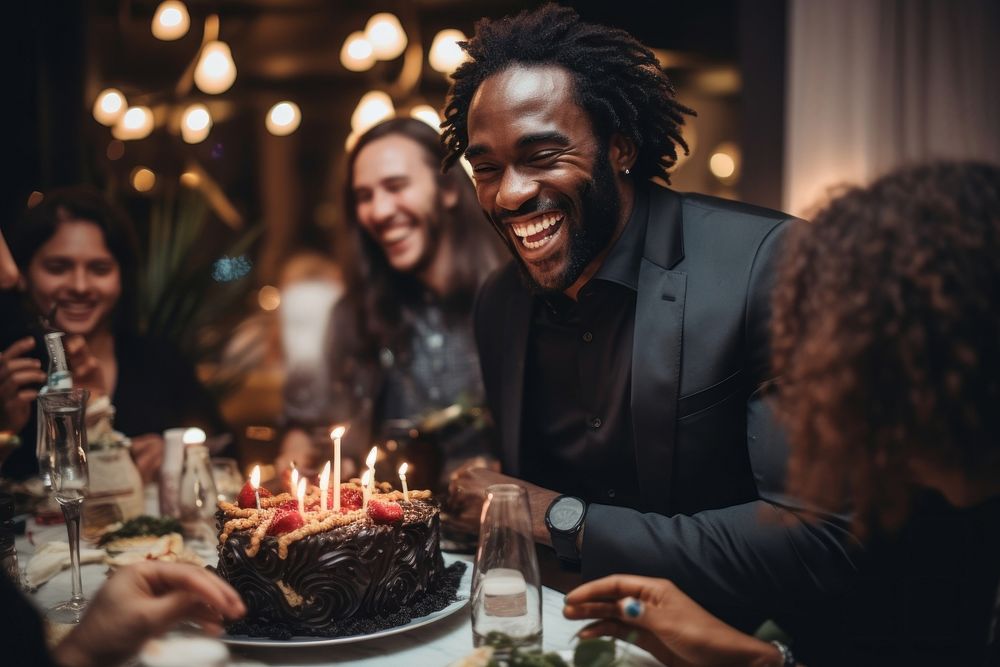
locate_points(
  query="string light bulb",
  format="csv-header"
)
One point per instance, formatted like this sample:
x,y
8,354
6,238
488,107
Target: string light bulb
x,y
427,114
385,33
374,106
283,118
216,71
446,55
171,21
109,106
136,123
196,123
357,54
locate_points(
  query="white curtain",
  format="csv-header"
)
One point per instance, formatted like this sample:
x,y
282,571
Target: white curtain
x,y
873,84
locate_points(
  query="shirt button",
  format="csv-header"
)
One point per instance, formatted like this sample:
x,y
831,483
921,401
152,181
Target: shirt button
x,y
595,423
611,493
587,337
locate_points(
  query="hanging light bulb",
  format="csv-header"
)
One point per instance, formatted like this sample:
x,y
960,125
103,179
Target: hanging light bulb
x,y
196,123
446,55
357,54
136,123
215,71
143,179
427,114
283,119
385,33
171,20
109,106
374,106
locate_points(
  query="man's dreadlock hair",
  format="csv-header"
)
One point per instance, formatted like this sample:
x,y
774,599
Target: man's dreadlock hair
x,y
618,81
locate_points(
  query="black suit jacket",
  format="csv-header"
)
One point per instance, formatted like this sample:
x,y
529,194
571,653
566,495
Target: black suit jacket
x,y
709,457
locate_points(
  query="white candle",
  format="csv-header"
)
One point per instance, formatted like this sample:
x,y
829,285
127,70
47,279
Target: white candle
x,y
324,486
255,483
336,434
402,478
302,498
372,456
366,490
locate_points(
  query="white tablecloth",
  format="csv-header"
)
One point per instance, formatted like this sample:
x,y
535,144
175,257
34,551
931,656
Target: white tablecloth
x,y
436,644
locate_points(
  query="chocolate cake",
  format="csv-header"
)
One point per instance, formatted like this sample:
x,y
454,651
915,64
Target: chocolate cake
x,y
328,574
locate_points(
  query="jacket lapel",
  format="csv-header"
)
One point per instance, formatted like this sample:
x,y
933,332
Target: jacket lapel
x,y
656,348
515,349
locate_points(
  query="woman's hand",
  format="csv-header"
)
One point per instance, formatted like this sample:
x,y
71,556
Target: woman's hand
x,y
657,616
85,367
18,375
142,601
147,452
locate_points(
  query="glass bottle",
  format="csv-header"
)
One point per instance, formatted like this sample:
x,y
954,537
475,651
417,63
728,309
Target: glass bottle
x,y
506,586
198,496
59,378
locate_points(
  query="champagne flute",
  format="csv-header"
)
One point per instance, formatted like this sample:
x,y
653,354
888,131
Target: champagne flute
x,y
66,436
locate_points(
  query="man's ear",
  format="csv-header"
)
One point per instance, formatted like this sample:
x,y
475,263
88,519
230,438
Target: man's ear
x,y
621,152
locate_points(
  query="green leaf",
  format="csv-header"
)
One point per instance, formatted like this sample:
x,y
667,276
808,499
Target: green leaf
x,y
594,653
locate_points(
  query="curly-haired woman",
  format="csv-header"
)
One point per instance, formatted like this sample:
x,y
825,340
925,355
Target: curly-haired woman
x,y
886,336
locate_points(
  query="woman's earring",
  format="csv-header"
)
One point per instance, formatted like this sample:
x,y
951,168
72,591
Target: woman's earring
x,y
627,172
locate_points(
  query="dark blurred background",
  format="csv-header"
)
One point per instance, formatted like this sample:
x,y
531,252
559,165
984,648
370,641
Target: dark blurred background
x,y
792,96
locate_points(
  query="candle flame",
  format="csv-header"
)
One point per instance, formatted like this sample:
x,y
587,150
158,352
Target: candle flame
x,y
402,469
295,478
302,489
364,478
255,477
337,432
193,436
372,455
324,477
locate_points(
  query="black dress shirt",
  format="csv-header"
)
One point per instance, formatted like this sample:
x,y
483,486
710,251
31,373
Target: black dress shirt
x,y
577,426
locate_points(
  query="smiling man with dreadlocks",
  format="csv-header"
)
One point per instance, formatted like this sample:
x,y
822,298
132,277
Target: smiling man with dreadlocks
x,y
625,348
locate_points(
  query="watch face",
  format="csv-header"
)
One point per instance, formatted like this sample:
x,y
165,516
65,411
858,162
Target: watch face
x,y
566,513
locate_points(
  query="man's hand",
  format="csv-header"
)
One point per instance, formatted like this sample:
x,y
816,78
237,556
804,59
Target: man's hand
x,y
467,491
657,616
18,375
147,452
142,601
85,367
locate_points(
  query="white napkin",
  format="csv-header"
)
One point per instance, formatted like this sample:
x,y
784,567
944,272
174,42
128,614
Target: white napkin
x,y
52,558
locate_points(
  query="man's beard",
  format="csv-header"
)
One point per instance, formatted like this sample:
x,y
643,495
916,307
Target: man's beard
x,y
591,233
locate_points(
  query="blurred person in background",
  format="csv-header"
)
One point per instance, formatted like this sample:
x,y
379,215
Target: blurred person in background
x,y
77,260
886,340
401,342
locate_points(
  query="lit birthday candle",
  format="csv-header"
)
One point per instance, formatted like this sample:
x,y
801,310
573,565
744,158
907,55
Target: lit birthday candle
x,y
366,489
302,498
255,483
402,478
324,486
336,434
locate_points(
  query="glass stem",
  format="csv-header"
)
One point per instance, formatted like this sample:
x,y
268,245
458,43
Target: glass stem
x,y
71,513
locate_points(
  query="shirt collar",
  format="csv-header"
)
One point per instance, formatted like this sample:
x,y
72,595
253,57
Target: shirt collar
x,y
622,263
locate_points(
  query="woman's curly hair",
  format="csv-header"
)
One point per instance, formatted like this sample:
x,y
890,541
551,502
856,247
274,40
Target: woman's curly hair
x,y
886,336
618,81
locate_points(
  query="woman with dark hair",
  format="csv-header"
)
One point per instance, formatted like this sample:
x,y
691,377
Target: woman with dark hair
x,y
886,339
77,259
415,251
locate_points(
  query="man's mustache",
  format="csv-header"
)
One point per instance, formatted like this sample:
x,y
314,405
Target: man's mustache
x,y
534,205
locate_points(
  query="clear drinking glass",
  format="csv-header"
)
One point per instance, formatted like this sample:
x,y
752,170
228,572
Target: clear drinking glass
x,y
66,436
228,479
506,586
198,497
